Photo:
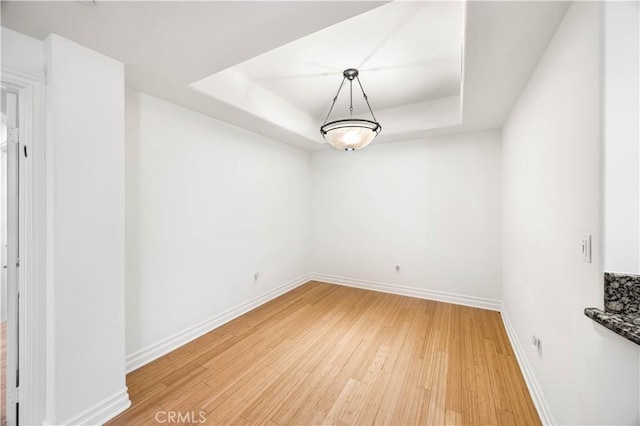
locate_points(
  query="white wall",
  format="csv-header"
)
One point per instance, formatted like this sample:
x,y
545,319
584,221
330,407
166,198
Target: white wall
x,y
85,288
21,53
621,137
552,176
208,205
430,206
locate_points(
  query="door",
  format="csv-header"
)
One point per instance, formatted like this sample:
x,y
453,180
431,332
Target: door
x,y
10,293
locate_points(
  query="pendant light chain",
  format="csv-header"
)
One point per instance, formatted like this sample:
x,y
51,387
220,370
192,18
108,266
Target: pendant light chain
x,y
351,98
334,101
366,99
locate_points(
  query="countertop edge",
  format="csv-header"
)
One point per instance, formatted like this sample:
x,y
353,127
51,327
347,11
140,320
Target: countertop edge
x,y
626,327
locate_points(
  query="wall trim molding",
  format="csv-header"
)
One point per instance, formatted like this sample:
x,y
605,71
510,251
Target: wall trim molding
x,y
440,296
156,350
18,79
535,390
33,275
101,412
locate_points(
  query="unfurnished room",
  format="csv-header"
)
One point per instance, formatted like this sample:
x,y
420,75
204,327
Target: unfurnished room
x,y
320,213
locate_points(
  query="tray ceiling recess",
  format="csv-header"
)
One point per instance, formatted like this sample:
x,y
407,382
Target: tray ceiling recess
x,y
409,55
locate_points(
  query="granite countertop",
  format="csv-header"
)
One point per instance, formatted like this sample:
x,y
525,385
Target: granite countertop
x,y
621,306
627,326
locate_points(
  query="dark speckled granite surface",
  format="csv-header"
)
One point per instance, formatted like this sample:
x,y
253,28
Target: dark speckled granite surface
x,y
626,326
622,293
621,306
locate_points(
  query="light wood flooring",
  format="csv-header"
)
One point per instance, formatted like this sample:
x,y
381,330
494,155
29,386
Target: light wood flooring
x,y
328,354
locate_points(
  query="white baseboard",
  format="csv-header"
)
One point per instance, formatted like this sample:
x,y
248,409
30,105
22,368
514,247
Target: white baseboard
x,y
527,372
440,296
150,353
101,412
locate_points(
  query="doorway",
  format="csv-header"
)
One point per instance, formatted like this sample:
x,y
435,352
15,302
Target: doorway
x,y
9,240
23,249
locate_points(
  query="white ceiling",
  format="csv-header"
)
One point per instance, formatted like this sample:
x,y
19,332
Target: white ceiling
x,y
407,52
273,67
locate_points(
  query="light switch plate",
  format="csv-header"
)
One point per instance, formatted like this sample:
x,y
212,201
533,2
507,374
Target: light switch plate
x,y
586,248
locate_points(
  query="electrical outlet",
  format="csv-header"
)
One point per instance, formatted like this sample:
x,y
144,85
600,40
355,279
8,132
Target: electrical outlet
x,y
586,248
539,348
538,344
256,276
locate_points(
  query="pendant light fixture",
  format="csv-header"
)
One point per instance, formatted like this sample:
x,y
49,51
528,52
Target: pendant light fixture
x,y
350,134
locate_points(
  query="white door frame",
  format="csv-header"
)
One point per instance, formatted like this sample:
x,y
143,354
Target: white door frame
x,y
13,248
34,269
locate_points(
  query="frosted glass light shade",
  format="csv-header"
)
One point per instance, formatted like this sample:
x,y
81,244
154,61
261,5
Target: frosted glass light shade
x,y
351,134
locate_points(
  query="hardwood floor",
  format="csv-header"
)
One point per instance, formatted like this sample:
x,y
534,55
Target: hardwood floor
x,y
327,354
